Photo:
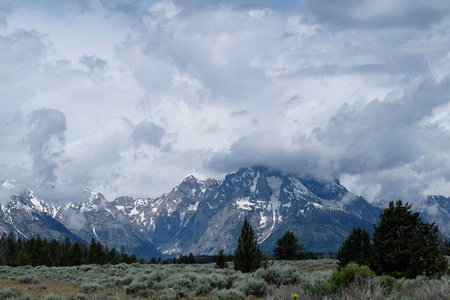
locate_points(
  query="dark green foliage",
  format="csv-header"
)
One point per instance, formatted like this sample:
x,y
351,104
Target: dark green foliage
x,y
404,246
446,247
220,259
288,247
8,294
191,258
248,256
37,251
357,248
349,275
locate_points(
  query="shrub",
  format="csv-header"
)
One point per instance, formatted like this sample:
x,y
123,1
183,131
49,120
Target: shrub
x,y
79,296
27,279
228,294
53,297
7,294
124,280
279,275
253,286
389,283
90,287
136,287
350,274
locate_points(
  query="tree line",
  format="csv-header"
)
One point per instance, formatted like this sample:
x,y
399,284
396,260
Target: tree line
x,y
38,251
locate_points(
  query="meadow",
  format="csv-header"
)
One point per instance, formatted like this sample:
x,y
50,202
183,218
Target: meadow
x,y
304,279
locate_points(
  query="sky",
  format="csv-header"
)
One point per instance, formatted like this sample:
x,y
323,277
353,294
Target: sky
x,y
130,97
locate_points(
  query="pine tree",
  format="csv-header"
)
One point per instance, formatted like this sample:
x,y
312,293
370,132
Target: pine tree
x,y
220,259
248,256
357,248
191,258
404,246
288,247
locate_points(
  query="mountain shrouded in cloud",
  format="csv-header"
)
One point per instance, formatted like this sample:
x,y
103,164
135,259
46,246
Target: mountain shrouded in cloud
x,y
129,97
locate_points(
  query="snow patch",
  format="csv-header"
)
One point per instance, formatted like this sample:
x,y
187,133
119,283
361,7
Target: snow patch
x,y
193,207
20,232
287,205
244,203
93,230
182,218
255,182
299,189
263,221
37,204
274,203
134,211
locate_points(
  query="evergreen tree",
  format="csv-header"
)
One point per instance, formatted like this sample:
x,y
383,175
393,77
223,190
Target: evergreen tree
x,y
220,259
404,246
248,256
357,248
288,247
191,258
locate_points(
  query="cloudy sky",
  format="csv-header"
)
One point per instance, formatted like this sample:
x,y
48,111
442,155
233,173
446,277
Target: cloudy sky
x,y
129,97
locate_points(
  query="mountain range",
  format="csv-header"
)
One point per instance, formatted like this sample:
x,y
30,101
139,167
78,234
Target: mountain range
x,y
202,216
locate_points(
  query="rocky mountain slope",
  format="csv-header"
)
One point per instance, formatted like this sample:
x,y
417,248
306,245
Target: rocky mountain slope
x,y
202,216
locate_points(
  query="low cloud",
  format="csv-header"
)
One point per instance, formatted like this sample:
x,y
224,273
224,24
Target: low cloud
x,y
394,143
46,142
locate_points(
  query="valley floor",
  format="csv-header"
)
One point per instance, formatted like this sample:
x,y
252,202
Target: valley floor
x,y
279,280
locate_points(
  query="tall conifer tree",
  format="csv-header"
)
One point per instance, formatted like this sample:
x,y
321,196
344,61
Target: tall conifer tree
x,y
357,248
288,247
248,255
404,246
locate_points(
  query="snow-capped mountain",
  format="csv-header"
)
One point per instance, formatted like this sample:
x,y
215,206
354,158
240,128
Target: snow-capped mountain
x,y
99,219
202,216
437,209
27,217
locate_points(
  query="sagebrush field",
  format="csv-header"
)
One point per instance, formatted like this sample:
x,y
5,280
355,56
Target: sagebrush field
x,y
307,279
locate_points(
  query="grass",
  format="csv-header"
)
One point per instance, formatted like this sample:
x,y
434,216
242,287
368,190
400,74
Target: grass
x,y
280,280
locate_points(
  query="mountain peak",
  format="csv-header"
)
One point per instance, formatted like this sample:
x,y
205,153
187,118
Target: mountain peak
x,y
96,198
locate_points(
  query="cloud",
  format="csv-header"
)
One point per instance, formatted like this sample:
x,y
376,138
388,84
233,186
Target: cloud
x,y
85,6
148,133
379,14
140,94
93,63
5,11
393,143
46,142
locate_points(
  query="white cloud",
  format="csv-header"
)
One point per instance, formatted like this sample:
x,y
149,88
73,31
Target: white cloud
x,y
152,92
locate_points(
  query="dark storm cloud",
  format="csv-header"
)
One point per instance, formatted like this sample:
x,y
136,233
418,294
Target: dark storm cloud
x,y
357,14
46,142
148,133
